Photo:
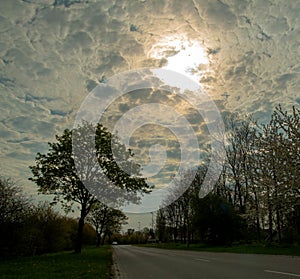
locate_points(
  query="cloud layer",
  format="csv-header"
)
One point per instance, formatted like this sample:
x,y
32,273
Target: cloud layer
x,y
53,52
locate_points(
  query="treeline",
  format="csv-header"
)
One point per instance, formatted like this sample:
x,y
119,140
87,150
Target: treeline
x,y
29,229
143,236
257,196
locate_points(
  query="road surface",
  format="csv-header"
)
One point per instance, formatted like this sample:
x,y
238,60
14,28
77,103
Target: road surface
x,y
132,262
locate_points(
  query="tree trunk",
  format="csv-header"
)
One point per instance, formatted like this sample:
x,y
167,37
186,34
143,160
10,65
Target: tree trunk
x,y
240,197
270,214
79,239
103,238
188,234
257,216
277,202
98,239
278,219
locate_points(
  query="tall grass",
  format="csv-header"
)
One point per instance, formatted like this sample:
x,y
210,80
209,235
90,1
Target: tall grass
x,y
91,263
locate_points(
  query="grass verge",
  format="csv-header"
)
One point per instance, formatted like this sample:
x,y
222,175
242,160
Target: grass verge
x,y
91,263
268,249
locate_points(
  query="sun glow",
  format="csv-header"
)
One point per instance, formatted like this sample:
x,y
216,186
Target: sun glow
x,y
184,56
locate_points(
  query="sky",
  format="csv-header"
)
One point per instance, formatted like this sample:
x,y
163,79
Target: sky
x,y
244,53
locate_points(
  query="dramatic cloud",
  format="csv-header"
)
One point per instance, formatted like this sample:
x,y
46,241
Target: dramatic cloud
x,y
54,52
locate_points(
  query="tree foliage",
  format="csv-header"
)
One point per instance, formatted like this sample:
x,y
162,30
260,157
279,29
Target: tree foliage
x,y
13,204
56,173
258,193
106,221
29,229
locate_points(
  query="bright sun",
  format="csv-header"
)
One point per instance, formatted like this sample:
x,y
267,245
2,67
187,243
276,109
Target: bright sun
x,y
184,56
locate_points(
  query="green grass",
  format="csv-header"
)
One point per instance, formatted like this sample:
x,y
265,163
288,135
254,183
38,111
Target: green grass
x,y
269,249
91,263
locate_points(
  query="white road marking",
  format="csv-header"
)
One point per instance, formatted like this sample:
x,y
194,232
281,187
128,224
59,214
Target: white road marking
x,y
203,260
283,273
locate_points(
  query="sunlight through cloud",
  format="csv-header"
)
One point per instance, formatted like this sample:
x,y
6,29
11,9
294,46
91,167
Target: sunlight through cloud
x,y
182,55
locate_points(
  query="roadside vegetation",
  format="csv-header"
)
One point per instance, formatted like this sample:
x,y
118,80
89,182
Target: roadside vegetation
x,y
77,167
258,248
91,263
31,229
254,207
257,197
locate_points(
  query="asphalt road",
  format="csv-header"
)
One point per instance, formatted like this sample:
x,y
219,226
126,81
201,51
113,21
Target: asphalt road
x,y
132,262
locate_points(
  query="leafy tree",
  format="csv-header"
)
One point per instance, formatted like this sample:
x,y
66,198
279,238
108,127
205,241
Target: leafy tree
x,y
289,127
56,173
161,228
46,231
259,186
278,169
13,210
105,220
216,220
12,201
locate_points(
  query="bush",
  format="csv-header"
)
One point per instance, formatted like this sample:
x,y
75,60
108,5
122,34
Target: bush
x,y
26,229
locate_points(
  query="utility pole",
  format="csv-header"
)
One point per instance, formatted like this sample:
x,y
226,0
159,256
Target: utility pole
x,y
152,234
152,221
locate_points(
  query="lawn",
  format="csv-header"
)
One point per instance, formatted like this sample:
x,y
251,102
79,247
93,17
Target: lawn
x,y
269,249
91,263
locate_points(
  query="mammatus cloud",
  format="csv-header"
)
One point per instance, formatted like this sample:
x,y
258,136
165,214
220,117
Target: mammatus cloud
x,y
52,53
